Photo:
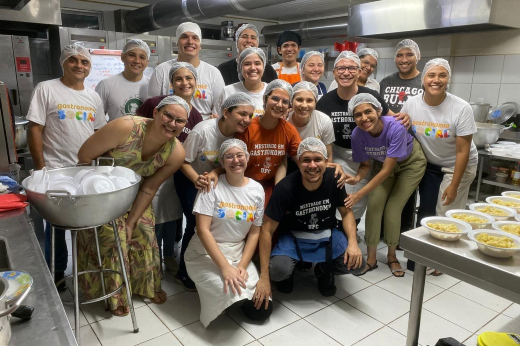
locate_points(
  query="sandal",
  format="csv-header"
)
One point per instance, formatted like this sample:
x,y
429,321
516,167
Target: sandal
x,y
121,311
394,271
370,268
434,272
157,298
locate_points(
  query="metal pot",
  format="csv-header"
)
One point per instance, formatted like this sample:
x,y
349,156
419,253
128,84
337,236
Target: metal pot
x,y
488,133
10,307
480,111
20,132
61,208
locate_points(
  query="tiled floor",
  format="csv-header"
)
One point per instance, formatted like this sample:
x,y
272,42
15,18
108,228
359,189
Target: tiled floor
x,y
371,310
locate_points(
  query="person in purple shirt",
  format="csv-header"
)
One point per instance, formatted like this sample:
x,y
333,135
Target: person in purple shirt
x,y
399,164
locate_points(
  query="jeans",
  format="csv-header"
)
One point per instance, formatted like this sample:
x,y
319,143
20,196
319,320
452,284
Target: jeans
x,y
60,249
165,234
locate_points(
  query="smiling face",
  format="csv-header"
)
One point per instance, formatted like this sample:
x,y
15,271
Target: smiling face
x,y
346,73
135,60
436,81
312,166
289,51
170,120
314,69
253,68
367,118
238,118
183,83
368,66
247,39
277,103
303,104
76,68
189,45
405,60
234,161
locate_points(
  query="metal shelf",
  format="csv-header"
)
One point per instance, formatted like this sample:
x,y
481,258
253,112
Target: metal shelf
x,y
504,185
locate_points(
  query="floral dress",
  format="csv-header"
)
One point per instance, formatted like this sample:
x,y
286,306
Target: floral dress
x,y
141,252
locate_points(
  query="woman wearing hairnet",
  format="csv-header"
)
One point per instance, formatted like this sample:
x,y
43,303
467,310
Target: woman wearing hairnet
x,y
399,165
229,218
251,64
312,69
150,148
368,58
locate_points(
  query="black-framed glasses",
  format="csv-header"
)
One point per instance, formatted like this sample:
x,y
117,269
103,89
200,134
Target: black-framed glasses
x,y
276,100
168,118
342,69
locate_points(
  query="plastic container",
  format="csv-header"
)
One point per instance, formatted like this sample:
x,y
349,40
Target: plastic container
x,y
502,339
515,179
510,212
493,200
492,250
497,225
463,227
513,194
490,219
501,177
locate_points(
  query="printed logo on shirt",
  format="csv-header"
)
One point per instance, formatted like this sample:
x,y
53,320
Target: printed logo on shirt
x,y
131,105
210,155
268,149
396,96
346,131
267,166
376,152
237,212
313,209
81,113
432,130
200,93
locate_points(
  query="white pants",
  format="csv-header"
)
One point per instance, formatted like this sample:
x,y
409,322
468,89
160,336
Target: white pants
x,y
462,192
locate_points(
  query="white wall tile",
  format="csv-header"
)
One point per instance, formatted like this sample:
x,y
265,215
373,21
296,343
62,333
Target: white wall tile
x,y
461,90
511,72
488,92
509,93
488,69
422,63
380,71
390,67
463,69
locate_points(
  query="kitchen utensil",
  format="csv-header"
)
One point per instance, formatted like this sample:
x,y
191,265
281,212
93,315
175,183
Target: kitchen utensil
x,y
488,133
480,111
8,307
501,113
20,136
18,281
501,177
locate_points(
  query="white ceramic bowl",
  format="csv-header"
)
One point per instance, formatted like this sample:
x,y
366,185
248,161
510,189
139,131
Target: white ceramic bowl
x,y
490,219
492,200
124,172
510,212
81,174
511,194
464,227
97,184
492,250
499,224
63,185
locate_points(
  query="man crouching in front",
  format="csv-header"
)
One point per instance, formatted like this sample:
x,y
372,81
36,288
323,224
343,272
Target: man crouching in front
x,y
305,202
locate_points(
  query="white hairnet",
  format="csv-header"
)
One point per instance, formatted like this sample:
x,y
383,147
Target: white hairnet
x,y
232,143
188,26
312,144
136,43
244,27
347,54
410,44
174,100
305,86
245,53
433,63
360,99
307,56
237,99
180,64
279,84
77,48
368,51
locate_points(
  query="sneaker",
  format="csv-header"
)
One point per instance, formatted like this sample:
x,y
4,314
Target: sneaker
x,y
171,264
287,285
325,281
185,282
63,285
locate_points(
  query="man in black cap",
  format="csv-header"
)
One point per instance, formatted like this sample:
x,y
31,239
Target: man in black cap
x,y
289,44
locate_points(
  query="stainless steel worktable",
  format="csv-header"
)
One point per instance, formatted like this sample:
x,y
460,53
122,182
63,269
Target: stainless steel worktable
x,y
49,324
460,259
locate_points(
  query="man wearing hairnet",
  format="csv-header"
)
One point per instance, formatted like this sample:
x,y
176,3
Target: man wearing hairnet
x,y
246,36
209,82
121,93
62,114
304,204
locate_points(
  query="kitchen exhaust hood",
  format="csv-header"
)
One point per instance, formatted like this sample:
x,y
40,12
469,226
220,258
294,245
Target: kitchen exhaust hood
x,y
389,19
13,4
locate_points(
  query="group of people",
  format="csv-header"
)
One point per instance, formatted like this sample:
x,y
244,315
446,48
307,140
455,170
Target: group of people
x,y
262,161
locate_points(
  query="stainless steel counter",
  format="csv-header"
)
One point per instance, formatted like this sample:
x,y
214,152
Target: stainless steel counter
x,y
49,324
460,259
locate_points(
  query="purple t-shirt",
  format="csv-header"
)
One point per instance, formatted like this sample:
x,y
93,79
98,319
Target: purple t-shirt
x,y
394,141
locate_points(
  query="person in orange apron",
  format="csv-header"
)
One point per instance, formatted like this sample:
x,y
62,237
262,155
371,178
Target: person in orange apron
x,y
289,44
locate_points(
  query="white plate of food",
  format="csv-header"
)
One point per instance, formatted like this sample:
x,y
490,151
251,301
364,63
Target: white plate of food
x,y
512,194
495,243
475,218
508,227
445,228
499,212
504,201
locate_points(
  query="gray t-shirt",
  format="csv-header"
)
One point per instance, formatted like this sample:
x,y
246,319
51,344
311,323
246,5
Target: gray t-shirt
x,y
396,90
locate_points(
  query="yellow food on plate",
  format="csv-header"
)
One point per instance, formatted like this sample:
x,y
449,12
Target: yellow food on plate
x,y
514,196
445,227
505,203
469,218
502,242
513,229
492,211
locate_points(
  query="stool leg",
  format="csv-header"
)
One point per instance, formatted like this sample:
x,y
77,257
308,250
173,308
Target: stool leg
x,y
125,278
75,279
52,253
100,268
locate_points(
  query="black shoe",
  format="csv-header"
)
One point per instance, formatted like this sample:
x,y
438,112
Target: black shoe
x,y
63,285
185,281
287,285
325,280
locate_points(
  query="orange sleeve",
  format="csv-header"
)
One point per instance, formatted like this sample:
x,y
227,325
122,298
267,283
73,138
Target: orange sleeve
x,y
293,139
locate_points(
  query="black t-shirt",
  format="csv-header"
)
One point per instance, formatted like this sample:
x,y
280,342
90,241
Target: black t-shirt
x,y
337,109
229,72
304,210
396,91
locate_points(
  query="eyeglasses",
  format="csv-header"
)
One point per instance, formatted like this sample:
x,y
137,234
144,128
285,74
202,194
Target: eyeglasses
x,y
342,69
168,118
230,157
372,66
276,100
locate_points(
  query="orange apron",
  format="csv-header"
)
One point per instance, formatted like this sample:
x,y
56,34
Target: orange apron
x,y
289,78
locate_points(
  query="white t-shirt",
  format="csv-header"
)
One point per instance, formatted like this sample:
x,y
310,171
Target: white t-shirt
x,y
233,209
287,70
436,128
69,117
203,146
319,126
209,85
120,96
371,84
239,87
